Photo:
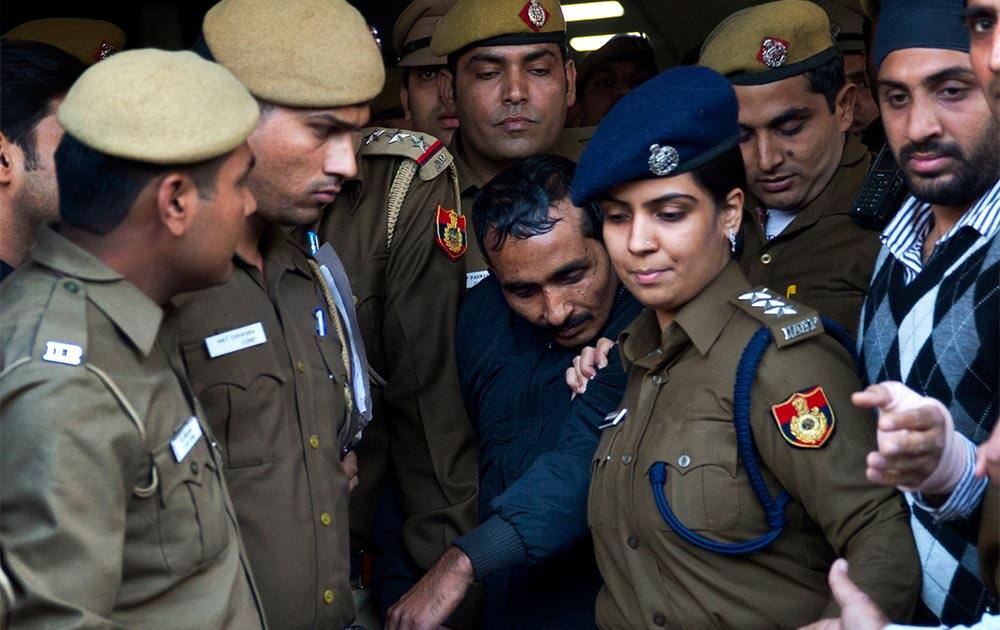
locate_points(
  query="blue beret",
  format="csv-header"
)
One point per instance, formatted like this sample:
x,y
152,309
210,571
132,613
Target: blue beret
x,y
672,123
920,24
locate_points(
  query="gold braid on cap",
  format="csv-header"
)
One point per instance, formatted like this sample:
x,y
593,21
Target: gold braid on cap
x,y
331,305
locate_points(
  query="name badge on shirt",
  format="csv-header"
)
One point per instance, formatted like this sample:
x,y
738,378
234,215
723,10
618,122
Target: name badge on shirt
x,y
475,277
613,419
235,340
185,439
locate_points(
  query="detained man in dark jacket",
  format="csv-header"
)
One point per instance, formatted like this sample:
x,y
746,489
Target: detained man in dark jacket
x,y
551,292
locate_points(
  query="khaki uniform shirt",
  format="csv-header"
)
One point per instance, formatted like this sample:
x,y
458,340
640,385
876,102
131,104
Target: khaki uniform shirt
x,y
110,518
679,403
823,258
278,411
407,298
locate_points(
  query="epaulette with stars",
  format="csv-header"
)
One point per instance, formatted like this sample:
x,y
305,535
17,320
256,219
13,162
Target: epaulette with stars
x,y
789,322
429,153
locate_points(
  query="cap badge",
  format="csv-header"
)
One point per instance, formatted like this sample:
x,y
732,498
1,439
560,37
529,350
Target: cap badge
x,y
663,160
534,15
773,52
104,50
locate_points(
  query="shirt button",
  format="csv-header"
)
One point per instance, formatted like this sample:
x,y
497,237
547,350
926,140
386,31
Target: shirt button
x,y
659,619
326,519
633,542
314,441
300,366
684,461
327,596
655,353
194,468
657,379
627,459
71,286
766,258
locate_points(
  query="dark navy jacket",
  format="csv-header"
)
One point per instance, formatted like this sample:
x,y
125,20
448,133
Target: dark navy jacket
x,y
535,446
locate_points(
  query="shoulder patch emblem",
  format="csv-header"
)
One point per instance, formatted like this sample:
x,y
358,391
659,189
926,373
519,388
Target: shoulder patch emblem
x,y
806,419
449,231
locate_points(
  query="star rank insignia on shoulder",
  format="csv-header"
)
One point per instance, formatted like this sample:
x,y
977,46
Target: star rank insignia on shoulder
x,y
789,322
428,152
805,419
449,230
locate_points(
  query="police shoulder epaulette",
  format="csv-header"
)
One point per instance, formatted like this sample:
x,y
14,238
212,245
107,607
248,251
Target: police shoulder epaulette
x,y
62,331
429,153
789,322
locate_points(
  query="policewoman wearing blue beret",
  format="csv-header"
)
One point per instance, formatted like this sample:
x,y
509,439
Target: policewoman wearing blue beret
x,y
733,473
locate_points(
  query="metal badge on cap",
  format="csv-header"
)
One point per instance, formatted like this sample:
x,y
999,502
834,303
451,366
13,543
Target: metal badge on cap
x,y
773,52
663,160
534,15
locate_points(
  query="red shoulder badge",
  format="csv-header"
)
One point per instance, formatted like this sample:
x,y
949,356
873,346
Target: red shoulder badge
x,y
449,230
805,419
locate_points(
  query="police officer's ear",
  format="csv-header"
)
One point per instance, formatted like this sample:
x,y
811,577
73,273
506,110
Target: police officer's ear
x,y
570,82
843,111
177,202
446,88
11,158
731,211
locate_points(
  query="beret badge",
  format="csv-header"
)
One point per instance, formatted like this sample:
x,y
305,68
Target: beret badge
x,y
104,50
663,160
773,52
534,15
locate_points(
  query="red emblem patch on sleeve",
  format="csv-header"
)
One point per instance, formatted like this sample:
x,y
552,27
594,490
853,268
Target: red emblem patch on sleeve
x,y
806,419
449,231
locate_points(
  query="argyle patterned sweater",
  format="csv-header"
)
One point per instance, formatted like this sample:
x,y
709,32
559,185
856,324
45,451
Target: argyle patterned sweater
x,y
940,335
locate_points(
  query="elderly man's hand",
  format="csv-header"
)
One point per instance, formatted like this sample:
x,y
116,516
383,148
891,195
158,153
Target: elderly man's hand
x,y
435,596
857,610
917,445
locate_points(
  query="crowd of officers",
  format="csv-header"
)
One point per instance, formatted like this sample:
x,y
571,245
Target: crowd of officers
x,y
210,417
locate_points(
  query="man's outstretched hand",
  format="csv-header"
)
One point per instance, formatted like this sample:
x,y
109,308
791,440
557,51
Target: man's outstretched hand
x,y
435,596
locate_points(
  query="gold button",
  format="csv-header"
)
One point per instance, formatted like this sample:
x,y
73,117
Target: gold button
x,y
328,596
765,258
314,441
300,366
325,519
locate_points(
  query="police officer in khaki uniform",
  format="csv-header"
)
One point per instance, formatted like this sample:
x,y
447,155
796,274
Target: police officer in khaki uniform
x,y
114,507
803,169
733,472
269,351
512,81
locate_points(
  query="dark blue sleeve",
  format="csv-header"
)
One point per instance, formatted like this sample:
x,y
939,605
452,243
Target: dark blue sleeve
x,y
545,511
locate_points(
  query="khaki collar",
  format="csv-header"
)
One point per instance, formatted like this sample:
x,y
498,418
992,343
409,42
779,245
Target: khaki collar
x,y
467,179
131,310
700,322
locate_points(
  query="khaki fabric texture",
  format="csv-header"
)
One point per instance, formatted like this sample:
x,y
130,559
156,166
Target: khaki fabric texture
x,y
83,544
88,40
735,46
279,413
306,53
679,402
823,258
471,21
414,28
159,107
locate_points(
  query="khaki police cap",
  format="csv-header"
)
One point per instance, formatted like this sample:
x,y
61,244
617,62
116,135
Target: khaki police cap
x,y
769,42
304,53
411,35
847,22
87,40
159,107
498,22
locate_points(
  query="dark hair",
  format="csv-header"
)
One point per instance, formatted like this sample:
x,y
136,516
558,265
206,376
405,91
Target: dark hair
x,y
31,75
516,202
96,190
722,175
828,79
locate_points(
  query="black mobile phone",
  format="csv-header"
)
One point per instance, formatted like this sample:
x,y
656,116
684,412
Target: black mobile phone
x,y
881,193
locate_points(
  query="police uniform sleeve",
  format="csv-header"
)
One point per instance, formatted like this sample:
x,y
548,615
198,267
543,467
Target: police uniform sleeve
x,y
71,457
823,467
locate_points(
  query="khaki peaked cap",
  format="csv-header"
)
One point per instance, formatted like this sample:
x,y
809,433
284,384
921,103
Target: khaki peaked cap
x,y
411,34
770,42
159,107
498,22
89,41
299,53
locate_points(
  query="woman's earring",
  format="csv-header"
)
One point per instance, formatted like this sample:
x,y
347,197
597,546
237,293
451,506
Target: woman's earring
x,y
732,241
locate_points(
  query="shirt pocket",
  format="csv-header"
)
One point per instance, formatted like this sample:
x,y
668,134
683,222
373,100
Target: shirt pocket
x,y
703,479
244,396
600,498
191,518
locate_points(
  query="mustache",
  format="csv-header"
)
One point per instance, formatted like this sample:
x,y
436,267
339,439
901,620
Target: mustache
x,y
515,111
571,322
945,149
334,182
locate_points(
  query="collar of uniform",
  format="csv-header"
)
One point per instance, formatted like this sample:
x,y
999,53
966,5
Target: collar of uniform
x,y
131,310
705,316
281,251
640,340
467,179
